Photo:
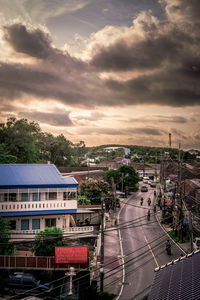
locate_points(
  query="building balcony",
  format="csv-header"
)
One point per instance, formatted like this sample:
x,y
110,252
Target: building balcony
x,y
17,235
47,205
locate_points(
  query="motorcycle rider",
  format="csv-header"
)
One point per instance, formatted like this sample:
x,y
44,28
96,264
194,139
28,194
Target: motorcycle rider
x,y
148,214
149,201
168,247
141,201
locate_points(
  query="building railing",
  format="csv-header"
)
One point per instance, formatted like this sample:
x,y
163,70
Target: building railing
x,y
65,230
38,205
17,235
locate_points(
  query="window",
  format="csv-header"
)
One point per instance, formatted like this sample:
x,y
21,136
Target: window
x,y
12,224
69,195
36,224
51,196
25,224
36,196
5,197
13,197
50,222
24,197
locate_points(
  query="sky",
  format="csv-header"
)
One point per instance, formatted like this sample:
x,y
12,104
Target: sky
x,y
103,71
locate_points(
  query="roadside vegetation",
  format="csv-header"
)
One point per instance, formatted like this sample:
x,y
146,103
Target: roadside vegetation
x,y
7,247
46,241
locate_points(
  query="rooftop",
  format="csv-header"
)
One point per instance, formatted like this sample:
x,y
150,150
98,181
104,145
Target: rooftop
x,y
29,175
179,279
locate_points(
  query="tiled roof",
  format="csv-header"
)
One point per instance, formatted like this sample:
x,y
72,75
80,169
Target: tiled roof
x,y
178,280
16,175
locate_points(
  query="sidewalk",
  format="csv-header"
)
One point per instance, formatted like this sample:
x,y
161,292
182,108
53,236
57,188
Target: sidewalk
x,y
184,246
112,261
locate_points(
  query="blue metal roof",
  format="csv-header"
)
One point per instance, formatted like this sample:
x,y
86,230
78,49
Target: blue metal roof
x,y
33,175
37,212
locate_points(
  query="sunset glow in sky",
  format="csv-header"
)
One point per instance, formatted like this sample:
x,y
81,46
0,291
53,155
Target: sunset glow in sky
x,y
103,71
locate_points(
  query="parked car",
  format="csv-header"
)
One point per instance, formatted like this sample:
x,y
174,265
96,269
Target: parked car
x,y
144,188
196,243
19,282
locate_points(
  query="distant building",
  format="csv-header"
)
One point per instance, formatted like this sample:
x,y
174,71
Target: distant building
x,y
193,152
127,151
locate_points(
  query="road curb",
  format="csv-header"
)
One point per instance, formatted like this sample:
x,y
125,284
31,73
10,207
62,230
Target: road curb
x,y
163,228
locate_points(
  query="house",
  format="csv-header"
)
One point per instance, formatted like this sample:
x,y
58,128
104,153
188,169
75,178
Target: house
x,y
179,279
127,151
35,196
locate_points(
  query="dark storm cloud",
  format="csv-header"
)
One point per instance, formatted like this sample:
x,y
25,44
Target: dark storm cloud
x,y
125,131
171,87
148,54
54,119
19,79
34,43
168,51
158,118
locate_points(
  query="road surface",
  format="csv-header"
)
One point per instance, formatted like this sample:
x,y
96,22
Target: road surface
x,y
143,245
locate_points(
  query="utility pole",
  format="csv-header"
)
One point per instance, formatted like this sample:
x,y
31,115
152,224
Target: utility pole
x,y
122,182
114,193
191,231
180,202
102,246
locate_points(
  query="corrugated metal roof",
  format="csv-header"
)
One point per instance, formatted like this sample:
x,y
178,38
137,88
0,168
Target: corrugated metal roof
x,y
33,175
178,280
37,212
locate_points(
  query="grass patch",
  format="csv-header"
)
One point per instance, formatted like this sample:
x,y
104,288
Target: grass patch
x,y
177,239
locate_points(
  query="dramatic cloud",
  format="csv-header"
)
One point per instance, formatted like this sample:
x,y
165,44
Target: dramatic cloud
x,y
54,119
125,131
158,118
146,63
34,43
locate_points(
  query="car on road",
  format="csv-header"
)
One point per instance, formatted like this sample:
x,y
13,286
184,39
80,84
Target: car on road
x,y
19,282
153,184
145,179
144,188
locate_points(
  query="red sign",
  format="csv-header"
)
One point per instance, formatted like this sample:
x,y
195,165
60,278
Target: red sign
x,y
71,255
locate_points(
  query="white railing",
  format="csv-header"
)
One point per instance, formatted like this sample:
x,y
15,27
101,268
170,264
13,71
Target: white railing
x,y
38,205
23,234
78,229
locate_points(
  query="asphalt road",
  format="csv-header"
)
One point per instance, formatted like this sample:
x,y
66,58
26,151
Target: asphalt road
x,y
143,244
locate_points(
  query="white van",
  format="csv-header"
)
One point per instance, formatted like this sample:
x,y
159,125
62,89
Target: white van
x,y
145,179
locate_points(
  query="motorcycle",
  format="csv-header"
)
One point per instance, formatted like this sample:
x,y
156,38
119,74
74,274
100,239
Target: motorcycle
x,y
168,247
148,215
149,201
141,201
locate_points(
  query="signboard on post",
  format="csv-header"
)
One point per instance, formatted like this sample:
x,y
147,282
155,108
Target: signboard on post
x,y
71,255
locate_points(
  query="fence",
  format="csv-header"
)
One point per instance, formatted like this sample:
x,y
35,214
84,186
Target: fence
x,y
36,263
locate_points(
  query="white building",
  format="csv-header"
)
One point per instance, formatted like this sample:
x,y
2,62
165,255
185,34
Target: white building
x,y
35,196
127,151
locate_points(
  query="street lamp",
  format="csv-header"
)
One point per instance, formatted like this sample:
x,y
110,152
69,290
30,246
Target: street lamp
x,y
71,273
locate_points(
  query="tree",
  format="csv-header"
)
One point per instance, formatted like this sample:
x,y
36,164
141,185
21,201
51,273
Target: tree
x,y
46,241
93,190
6,247
123,176
6,158
20,138
82,200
